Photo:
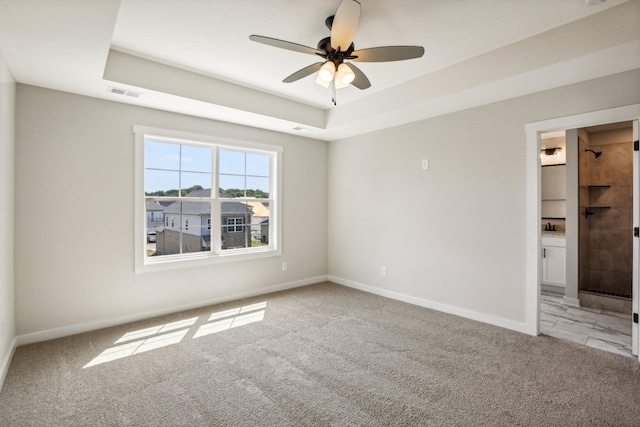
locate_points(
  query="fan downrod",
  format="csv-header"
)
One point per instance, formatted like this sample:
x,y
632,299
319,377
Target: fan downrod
x,y
329,22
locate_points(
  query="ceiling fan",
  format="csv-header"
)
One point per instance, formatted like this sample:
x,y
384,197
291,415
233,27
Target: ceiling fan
x,y
338,48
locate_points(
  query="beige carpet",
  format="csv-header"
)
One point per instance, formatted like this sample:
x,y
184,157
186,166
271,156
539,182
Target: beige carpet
x,y
315,356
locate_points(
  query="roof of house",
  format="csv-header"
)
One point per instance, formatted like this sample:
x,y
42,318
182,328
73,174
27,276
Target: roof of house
x,y
153,206
259,209
204,208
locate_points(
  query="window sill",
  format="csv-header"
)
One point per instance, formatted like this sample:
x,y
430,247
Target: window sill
x,y
203,260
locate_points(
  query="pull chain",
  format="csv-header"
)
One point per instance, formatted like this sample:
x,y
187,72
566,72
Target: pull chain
x,y
333,89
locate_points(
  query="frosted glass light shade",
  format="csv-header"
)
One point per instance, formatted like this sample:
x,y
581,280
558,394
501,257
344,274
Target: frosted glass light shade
x,y
322,82
345,74
326,72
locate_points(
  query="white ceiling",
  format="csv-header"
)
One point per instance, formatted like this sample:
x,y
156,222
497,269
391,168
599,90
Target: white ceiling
x,y
195,56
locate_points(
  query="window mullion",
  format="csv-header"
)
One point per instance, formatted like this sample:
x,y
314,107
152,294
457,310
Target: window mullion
x,y
216,208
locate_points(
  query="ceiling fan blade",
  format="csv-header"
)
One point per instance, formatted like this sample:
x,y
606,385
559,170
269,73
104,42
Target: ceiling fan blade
x,y
304,72
388,53
361,81
345,24
282,44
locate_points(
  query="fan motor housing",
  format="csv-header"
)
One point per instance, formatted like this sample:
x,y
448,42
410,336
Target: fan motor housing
x,y
335,56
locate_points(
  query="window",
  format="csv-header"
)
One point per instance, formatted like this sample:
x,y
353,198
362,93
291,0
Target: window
x,y
235,225
193,182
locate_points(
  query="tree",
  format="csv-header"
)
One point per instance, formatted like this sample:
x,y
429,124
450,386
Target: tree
x,y
235,193
174,192
231,192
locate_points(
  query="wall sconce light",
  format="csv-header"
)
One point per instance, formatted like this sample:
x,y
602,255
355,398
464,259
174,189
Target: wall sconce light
x,y
550,151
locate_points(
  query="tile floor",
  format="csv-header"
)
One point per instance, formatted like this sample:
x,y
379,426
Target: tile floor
x,y
605,330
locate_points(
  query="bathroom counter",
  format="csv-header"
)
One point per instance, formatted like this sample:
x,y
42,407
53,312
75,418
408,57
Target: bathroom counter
x,y
553,233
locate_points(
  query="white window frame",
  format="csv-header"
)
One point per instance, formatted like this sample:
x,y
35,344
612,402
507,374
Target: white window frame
x,y
144,263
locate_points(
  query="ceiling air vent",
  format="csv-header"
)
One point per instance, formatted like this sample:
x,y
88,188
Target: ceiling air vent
x,y
124,92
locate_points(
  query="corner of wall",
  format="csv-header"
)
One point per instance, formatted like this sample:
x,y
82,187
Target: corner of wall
x,y
7,217
6,361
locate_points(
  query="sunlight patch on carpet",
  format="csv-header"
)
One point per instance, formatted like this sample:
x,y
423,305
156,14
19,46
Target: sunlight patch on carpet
x,y
154,337
232,319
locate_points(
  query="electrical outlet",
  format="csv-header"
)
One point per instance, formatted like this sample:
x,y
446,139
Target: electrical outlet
x,y
383,271
425,164
284,266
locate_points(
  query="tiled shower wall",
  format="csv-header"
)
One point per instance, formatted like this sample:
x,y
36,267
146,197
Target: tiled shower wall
x,y
606,236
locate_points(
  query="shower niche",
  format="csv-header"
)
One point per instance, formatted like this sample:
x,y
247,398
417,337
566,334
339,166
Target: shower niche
x,y
605,156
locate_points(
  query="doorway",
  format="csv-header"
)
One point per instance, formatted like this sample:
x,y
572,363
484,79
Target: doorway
x,y
597,313
533,221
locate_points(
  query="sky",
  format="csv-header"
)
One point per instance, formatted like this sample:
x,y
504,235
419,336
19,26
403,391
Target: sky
x,y
168,165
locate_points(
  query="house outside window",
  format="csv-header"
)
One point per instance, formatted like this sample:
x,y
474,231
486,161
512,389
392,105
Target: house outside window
x,y
174,181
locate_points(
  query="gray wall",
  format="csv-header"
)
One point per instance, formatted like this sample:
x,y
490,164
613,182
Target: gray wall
x,y
75,172
452,237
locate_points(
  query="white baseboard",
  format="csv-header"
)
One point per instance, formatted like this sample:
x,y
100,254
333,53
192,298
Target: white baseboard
x,y
575,302
105,323
473,315
6,361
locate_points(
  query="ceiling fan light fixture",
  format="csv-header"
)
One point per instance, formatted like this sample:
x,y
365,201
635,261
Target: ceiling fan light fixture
x,y
339,47
344,75
322,82
327,72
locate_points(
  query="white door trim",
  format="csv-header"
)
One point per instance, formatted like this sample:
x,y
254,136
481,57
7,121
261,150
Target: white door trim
x,y
635,290
532,222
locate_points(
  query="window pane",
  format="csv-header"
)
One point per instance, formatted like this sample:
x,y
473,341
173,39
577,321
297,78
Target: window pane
x,y
195,181
259,224
232,186
257,187
231,162
161,183
162,155
236,225
258,164
196,159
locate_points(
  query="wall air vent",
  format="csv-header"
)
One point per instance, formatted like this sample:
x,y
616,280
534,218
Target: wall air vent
x,y
119,91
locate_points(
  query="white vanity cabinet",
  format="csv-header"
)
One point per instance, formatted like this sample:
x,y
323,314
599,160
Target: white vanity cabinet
x,y
553,260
